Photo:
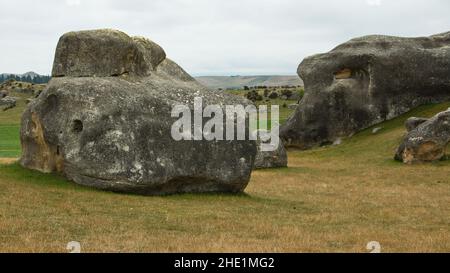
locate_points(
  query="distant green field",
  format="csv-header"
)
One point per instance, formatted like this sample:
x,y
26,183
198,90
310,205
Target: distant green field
x,y
10,127
285,112
9,141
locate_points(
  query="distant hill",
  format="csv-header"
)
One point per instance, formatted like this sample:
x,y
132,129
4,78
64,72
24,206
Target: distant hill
x,y
236,82
31,77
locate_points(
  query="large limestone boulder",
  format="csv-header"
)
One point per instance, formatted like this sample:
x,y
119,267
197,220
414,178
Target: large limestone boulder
x,y
366,81
427,141
104,121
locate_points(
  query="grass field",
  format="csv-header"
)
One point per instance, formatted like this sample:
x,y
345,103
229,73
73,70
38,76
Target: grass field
x,y
284,112
10,127
331,199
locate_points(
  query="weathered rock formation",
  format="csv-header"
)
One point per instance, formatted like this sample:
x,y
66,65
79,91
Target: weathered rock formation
x,y
366,81
104,121
7,103
270,159
427,141
3,93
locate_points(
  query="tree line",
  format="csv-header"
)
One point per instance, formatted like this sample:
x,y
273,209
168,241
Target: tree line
x,y
36,79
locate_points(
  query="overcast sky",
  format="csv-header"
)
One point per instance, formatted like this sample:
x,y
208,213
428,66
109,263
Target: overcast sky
x,y
212,37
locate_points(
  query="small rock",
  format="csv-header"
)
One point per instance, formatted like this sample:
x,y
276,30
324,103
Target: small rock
x,y
413,122
337,142
426,142
7,103
376,130
3,94
292,106
270,159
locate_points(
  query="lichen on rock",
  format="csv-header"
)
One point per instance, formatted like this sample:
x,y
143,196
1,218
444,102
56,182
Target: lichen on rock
x,y
104,121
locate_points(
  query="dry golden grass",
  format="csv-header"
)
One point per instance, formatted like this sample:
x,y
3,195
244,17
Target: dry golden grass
x,y
7,160
333,199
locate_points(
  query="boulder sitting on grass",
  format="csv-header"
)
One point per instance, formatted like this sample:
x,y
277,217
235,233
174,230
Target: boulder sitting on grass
x,y
427,141
366,81
3,93
104,121
270,159
413,122
7,103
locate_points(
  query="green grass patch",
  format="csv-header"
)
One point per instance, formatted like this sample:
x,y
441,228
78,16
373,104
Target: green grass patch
x,y
10,141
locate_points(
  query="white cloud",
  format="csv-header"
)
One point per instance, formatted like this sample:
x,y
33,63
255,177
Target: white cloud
x,y
373,2
214,36
73,2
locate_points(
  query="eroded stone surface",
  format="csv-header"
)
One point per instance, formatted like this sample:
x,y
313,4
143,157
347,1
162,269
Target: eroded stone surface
x,y
427,141
114,133
366,81
7,103
270,159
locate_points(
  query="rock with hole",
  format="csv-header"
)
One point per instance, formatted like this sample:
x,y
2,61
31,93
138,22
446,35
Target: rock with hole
x,y
105,121
366,81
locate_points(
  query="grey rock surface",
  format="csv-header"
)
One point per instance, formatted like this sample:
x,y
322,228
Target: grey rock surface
x,y
293,106
427,141
366,81
7,103
270,159
3,93
295,96
104,52
376,130
105,121
413,122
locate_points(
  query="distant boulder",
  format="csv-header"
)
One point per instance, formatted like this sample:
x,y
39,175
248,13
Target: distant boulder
x,y
7,103
292,106
3,93
413,122
270,159
366,81
427,141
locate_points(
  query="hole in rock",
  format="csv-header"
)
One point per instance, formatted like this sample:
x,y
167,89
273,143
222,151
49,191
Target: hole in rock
x,y
343,74
77,126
